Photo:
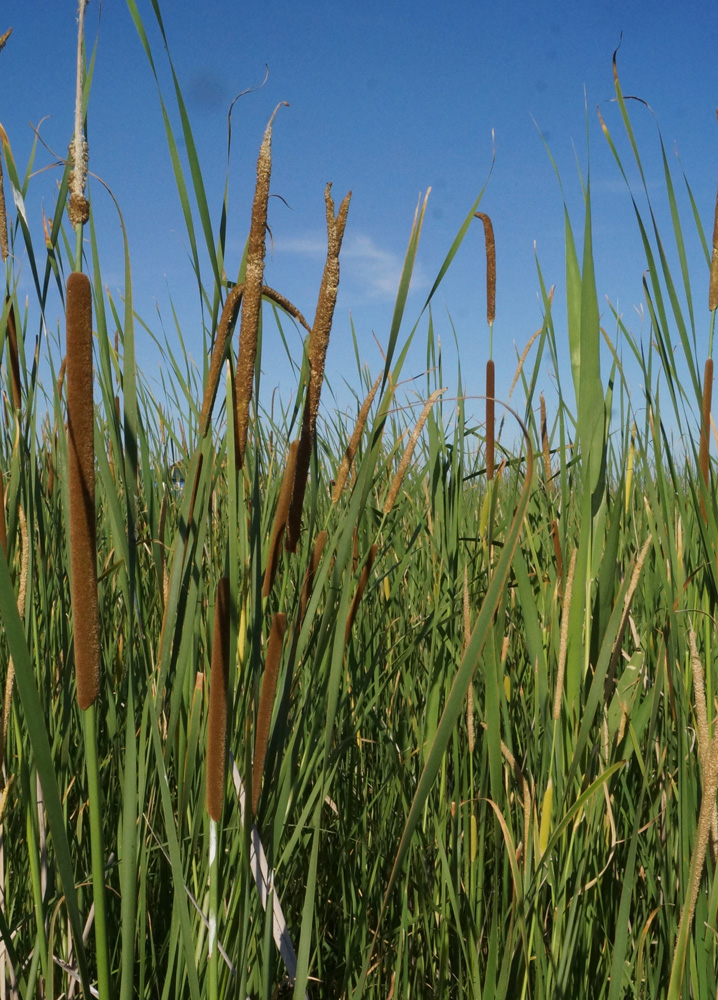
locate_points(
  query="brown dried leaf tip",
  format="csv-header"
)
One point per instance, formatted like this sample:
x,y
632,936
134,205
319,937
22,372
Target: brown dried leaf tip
x,y
218,693
252,301
81,483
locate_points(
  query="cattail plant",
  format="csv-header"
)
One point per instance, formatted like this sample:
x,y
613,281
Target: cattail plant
x,y
81,483
317,351
490,317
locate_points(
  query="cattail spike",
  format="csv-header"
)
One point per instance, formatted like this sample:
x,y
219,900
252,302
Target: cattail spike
x,y
280,520
311,572
713,286
490,426
81,483
252,303
361,586
266,704
218,694
490,267
317,352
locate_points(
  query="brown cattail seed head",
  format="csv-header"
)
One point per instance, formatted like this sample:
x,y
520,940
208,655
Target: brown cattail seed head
x,y
490,423
280,520
81,483
252,304
266,703
218,685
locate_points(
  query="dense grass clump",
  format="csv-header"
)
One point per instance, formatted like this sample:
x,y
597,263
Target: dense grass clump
x,y
386,709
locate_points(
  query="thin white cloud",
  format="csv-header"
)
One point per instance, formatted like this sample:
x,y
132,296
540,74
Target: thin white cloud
x,y
365,264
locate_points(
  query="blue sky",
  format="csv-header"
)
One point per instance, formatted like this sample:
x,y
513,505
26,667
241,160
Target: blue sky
x,y
386,99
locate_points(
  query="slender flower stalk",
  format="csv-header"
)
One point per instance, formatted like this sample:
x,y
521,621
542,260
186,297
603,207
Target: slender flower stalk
x,y
79,208
490,317
703,455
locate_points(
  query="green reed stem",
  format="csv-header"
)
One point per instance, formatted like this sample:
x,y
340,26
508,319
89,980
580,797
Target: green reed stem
x,y
97,849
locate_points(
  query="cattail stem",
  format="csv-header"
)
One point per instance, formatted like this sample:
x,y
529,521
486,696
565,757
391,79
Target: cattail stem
x,y
703,456
266,704
81,482
218,695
